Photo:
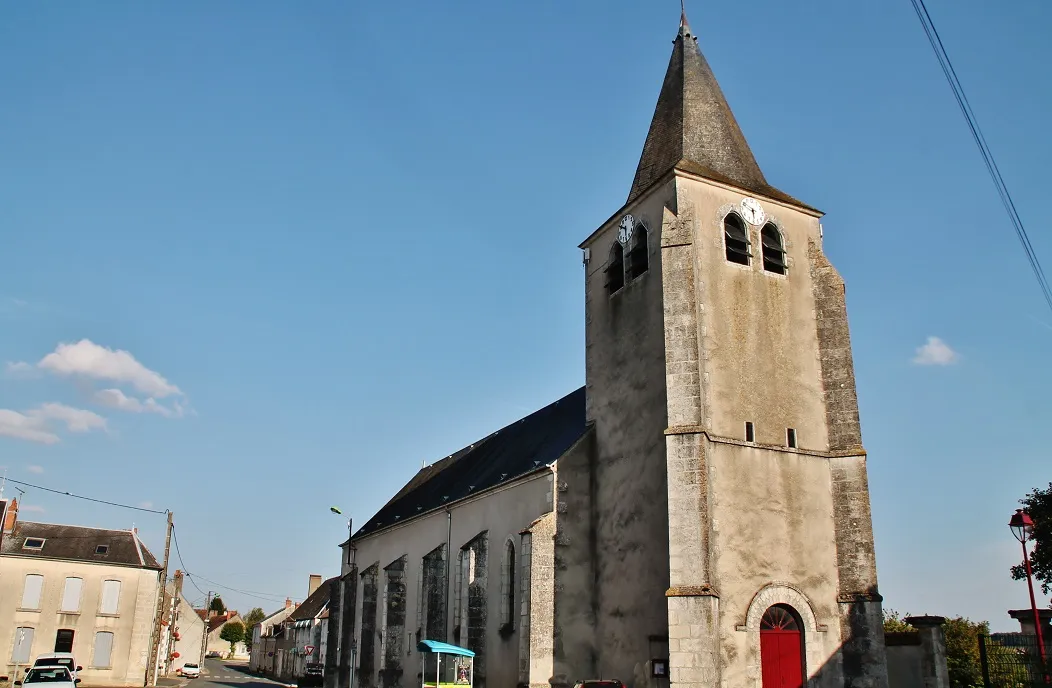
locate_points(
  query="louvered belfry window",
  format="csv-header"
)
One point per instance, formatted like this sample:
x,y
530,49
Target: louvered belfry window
x,y
736,238
773,250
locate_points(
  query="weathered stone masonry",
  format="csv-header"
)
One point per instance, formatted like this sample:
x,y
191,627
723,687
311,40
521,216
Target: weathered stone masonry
x,y
477,553
394,622
367,643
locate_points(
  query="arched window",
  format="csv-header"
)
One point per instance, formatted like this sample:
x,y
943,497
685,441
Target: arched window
x,y
736,238
507,587
773,251
615,268
638,253
781,647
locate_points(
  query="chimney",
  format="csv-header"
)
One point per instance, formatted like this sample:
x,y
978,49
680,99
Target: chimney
x,y
288,603
11,516
313,584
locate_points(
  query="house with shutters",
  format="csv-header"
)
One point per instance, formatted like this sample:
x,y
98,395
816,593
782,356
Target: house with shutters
x,y
89,591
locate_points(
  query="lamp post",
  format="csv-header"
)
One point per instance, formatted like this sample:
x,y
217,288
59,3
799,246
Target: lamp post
x,y
1022,528
343,602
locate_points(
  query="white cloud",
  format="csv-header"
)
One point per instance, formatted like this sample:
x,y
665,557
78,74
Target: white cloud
x,y
23,427
76,420
88,359
31,508
19,369
936,352
35,469
114,398
37,424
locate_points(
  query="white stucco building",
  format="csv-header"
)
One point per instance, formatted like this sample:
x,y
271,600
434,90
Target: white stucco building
x,y
89,591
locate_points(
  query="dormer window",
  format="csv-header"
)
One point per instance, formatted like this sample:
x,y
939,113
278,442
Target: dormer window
x,y
102,549
33,543
773,249
615,268
736,239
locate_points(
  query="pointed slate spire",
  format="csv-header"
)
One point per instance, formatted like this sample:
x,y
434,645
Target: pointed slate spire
x,y
693,127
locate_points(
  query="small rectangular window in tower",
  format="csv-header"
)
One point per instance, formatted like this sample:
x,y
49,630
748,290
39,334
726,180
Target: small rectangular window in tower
x,y
750,433
790,437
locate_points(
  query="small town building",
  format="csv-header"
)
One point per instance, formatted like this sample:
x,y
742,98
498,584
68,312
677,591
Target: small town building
x,y
215,642
305,629
182,629
89,591
265,636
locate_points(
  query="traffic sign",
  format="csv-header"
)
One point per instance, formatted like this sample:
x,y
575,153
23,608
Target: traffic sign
x,y
309,650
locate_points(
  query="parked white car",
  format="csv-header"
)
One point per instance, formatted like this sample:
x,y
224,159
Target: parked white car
x,y
53,676
189,670
65,659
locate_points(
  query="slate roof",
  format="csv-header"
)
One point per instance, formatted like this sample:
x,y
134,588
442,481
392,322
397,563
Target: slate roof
x,y
314,603
525,446
693,129
78,543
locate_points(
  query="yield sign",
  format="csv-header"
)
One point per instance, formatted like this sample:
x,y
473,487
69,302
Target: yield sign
x,y
308,649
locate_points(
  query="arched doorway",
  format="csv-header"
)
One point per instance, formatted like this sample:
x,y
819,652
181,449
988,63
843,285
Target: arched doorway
x,y
781,648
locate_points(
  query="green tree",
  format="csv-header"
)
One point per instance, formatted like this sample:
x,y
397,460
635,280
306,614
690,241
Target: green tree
x,y
1038,504
251,619
217,605
893,622
233,633
962,651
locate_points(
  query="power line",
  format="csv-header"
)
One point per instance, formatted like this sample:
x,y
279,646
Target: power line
x,y
977,135
89,499
266,597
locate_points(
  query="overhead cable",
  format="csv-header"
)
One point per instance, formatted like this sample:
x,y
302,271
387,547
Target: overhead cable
x,y
991,166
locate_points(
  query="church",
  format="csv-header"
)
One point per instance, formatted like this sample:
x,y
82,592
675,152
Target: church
x,y
697,514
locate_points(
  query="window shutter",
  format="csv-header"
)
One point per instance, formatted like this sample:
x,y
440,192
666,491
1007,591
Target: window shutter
x,y
31,593
103,648
111,593
71,595
23,644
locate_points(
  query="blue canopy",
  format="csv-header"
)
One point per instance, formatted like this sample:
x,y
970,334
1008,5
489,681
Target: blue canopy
x,y
443,648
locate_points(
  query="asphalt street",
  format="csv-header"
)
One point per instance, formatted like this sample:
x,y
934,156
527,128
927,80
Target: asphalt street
x,y
221,674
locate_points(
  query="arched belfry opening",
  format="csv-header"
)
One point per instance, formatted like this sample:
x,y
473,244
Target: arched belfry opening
x,y
782,647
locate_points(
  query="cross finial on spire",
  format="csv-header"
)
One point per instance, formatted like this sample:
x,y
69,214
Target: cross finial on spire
x,y
684,27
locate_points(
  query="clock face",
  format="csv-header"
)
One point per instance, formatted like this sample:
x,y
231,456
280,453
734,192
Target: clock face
x,y
752,211
625,229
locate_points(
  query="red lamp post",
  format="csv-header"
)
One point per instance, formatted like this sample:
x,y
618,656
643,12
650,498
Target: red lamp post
x,y
1022,527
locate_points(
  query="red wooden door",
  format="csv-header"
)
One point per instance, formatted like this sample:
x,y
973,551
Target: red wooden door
x,y
781,649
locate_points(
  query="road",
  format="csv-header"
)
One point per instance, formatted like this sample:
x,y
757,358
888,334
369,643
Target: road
x,y
221,674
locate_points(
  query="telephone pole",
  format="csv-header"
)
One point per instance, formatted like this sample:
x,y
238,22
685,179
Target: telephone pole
x,y
204,631
155,640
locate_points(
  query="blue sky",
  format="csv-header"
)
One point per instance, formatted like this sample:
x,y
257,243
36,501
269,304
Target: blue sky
x,y
339,239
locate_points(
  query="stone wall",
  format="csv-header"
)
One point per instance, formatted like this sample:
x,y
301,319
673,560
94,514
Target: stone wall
x,y
433,595
394,623
537,643
367,643
477,554
627,487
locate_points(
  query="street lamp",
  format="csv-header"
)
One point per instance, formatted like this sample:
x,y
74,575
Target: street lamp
x,y
1023,528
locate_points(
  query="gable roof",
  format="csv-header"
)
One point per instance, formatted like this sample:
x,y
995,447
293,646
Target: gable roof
x,y
79,543
221,620
525,446
694,129
313,605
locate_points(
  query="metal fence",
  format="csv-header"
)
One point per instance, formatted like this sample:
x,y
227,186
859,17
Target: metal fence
x,y
1012,660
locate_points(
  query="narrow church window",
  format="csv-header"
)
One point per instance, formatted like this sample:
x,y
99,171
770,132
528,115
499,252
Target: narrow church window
x,y
750,434
615,268
638,254
507,583
773,251
737,239
790,437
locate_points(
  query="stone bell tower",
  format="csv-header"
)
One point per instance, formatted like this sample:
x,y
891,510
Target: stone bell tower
x,y
729,525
